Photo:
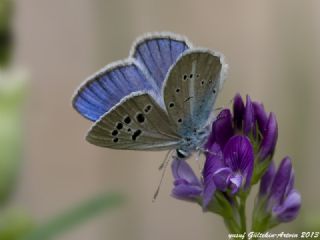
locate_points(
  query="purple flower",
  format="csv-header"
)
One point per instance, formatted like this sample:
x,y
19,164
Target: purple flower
x,y
186,184
239,152
277,194
228,170
248,119
225,167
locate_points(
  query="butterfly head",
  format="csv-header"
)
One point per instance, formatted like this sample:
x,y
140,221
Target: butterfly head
x,y
181,154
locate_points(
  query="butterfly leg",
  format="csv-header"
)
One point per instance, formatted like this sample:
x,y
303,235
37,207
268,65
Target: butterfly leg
x,y
162,167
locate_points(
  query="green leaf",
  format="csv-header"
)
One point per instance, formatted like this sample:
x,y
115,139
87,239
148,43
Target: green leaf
x,y
14,224
6,10
12,91
76,216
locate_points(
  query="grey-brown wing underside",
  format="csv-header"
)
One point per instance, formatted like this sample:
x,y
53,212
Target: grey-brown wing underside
x,y
191,88
136,123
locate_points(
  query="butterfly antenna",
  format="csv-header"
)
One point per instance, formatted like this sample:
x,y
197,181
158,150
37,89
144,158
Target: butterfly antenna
x,y
162,167
222,107
198,152
203,150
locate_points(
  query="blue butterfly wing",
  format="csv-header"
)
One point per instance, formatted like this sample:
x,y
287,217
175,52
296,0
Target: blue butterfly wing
x,y
157,52
144,70
106,88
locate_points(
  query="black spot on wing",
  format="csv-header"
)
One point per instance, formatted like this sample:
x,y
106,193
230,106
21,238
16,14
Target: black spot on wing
x,y
136,134
147,109
127,120
140,118
119,126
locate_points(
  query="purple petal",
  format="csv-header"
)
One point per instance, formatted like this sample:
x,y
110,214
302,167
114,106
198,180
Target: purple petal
x,y
214,161
248,120
290,183
260,115
186,184
221,178
238,155
238,111
186,191
181,170
180,181
267,179
221,129
289,209
208,192
235,183
281,181
270,137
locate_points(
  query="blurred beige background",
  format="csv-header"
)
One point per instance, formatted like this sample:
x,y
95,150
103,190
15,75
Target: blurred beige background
x,y
273,51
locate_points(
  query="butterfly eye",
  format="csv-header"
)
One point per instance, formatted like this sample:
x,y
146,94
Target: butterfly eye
x,y
179,120
171,105
198,75
202,82
214,91
115,140
191,75
177,90
185,77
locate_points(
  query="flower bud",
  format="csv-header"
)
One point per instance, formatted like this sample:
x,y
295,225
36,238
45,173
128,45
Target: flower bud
x,y
270,137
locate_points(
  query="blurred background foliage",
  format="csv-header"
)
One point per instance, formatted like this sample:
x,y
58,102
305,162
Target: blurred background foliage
x,y
12,91
16,223
6,8
273,51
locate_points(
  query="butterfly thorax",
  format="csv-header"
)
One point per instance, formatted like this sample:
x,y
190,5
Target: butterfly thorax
x,y
192,142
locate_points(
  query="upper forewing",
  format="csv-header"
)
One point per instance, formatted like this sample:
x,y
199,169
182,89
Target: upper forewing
x,y
157,52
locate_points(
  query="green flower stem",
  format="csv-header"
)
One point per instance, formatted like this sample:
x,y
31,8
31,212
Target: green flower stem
x,y
232,225
242,213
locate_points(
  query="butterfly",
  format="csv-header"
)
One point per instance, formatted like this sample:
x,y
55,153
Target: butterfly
x,y
159,98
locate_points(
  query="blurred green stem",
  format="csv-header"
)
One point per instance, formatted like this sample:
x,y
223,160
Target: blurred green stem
x,y
66,221
242,213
